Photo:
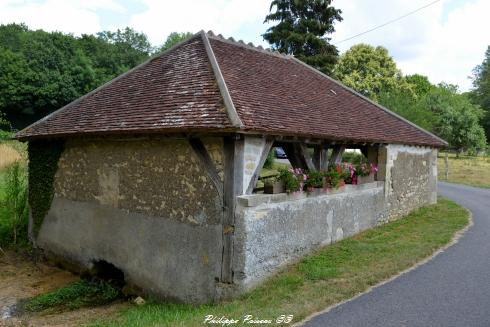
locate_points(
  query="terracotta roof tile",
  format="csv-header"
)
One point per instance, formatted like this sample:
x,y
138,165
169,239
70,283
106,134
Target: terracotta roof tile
x,y
271,93
277,94
175,90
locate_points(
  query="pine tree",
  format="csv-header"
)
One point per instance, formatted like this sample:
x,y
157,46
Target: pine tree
x,y
302,29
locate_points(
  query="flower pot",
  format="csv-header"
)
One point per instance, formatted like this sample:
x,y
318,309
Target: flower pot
x,y
365,179
274,187
316,191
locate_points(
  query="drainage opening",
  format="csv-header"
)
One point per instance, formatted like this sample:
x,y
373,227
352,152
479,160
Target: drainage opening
x,y
106,271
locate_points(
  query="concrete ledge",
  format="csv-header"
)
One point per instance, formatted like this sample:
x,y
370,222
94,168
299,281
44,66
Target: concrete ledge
x,y
255,200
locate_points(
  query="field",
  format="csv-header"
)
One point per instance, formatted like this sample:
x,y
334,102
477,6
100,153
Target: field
x,y
473,171
8,155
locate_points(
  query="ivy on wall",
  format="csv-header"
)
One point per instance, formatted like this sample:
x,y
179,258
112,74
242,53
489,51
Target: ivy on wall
x,y
43,164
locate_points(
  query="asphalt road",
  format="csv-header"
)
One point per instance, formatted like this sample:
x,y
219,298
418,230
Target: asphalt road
x,y
453,289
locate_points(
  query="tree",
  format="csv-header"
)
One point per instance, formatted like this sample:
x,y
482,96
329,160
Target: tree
x,y
412,108
301,29
481,92
174,38
41,72
420,84
370,71
458,119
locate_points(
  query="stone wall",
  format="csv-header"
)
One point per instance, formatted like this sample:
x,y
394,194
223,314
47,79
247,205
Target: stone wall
x,y
149,207
274,230
146,206
411,178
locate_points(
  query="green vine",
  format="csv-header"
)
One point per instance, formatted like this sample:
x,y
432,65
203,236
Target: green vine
x,y
43,164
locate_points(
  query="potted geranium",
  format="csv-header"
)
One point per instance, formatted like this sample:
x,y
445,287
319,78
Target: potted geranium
x,y
315,181
293,178
365,172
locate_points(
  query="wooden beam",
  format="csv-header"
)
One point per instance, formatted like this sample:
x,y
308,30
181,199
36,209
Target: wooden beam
x,y
208,164
317,157
263,156
305,156
337,154
364,150
324,157
292,155
233,186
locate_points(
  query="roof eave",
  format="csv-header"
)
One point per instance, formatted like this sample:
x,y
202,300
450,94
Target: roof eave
x,y
444,143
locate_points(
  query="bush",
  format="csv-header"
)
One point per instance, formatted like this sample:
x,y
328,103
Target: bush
x,y
13,217
353,157
269,161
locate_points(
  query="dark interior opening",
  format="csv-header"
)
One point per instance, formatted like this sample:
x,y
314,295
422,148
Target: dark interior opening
x,y
107,271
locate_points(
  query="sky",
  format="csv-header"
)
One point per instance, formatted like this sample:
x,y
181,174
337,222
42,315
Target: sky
x,y
444,41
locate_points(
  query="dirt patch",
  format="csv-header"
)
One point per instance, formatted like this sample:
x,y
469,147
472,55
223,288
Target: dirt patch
x,y
21,278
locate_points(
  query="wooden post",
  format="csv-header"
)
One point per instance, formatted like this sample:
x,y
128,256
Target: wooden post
x,y
263,157
336,158
446,165
305,156
233,180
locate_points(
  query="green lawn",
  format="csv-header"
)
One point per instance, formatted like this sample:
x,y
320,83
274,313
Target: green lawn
x,y
335,273
473,171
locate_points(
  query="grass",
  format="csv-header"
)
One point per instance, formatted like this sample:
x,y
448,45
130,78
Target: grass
x,y
334,273
473,171
10,152
76,295
8,155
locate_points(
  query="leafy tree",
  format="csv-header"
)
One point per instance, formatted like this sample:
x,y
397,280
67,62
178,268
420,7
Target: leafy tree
x,y
41,72
481,93
132,46
174,38
370,71
301,29
5,127
412,108
420,84
458,119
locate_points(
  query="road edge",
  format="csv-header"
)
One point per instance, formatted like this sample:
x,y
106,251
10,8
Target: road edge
x,y
454,240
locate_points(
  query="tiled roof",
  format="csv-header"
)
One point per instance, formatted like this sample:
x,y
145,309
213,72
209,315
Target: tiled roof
x,y
211,84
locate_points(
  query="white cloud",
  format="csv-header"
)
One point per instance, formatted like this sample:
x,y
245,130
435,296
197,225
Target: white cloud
x,y
70,16
444,41
228,17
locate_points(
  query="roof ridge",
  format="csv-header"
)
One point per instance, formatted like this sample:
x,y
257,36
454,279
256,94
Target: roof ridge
x,y
379,106
248,45
225,93
77,100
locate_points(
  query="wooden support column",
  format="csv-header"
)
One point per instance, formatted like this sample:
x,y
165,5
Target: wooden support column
x,y
320,160
337,152
263,156
293,156
233,180
317,157
305,156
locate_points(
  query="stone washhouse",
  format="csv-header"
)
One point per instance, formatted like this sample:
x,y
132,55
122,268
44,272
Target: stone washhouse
x,y
158,168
